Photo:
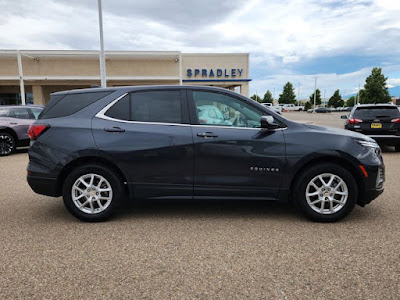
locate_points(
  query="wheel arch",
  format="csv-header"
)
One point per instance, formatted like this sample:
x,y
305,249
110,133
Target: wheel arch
x,y
344,162
67,169
9,131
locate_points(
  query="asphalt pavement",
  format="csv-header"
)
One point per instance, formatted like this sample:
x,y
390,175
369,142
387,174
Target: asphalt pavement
x,y
197,250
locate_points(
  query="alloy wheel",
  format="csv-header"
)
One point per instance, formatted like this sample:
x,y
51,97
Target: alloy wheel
x,y
92,193
6,144
327,193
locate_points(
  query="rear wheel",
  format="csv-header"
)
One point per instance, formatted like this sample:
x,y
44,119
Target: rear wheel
x,y
7,144
92,192
326,192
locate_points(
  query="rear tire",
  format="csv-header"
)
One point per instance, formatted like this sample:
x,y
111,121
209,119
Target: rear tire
x,y
7,144
397,148
327,200
92,192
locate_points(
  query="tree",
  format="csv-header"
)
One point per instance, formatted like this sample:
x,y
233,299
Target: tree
x,y
375,90
287,96
318,100
350,102
336,100
307,106
257,98
268,98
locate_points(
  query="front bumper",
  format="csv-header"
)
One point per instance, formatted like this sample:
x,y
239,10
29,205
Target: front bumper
x,y
373,184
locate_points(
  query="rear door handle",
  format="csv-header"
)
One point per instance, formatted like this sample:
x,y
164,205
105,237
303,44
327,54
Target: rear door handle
x,y
207,135
114,129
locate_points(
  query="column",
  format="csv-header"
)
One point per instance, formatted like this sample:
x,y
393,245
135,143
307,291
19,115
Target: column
x,y
38,95
244,89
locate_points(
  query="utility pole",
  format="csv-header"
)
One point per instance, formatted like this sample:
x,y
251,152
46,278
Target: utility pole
x,y
315,93
298,93
325,97
274,97
102,56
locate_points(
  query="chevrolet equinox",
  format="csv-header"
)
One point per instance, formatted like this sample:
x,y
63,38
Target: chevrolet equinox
x,y
97,147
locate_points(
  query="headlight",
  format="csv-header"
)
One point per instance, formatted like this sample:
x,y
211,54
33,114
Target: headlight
x,y
371,145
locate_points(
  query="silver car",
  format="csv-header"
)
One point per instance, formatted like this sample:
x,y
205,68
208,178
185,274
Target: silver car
x,y
14,123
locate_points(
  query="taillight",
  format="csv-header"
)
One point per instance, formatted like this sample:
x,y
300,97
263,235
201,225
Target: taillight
x,y
36,130
395,120
354,121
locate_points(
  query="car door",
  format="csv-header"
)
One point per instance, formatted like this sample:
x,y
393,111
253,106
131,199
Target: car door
x,y
20,120
234,159
147,133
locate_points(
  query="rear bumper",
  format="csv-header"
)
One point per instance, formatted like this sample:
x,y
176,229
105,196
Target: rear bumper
x,y
386,139
43,185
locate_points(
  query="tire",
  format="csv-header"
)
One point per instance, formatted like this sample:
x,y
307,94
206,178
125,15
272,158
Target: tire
x,y
97,200
329,205
7,144
397,148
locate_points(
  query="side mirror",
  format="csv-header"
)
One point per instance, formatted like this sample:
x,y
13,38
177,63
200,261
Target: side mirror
x,y
268,122
343,117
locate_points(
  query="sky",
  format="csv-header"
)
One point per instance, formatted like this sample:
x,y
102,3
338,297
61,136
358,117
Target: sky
x,y
337,41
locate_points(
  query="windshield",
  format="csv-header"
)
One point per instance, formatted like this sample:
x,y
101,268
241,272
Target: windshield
x,y
374,112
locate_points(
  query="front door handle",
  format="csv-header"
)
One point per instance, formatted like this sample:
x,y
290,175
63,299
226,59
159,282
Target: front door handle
x,y
114,129
207,135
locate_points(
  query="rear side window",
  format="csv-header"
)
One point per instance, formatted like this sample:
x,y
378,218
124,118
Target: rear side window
x,y
157,106
20,113
152,106
377,112
69,104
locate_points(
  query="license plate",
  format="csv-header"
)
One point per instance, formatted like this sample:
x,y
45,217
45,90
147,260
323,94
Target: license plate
x,y
376,125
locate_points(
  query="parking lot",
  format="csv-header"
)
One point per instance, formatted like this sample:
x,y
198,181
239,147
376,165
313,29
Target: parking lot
x,y
197,250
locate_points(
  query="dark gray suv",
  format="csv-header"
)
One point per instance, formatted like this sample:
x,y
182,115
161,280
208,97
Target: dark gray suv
x,y
14,124
98,147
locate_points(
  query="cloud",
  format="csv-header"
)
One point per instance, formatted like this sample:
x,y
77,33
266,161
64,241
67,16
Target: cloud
x,y
287,40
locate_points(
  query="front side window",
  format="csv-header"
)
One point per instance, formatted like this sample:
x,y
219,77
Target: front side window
x,y
152,106
36,112
3,112
223,110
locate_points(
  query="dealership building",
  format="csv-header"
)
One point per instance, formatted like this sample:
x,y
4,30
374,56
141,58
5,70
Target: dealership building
x,y
31,76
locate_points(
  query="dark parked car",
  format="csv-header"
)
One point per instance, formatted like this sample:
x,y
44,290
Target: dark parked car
x,y
379,121
323,110
14,124
97,147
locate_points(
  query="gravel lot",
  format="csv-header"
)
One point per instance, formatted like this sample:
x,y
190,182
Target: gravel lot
x,y
197,250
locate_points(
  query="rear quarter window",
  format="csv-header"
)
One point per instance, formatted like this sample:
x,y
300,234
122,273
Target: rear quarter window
x,y
68,104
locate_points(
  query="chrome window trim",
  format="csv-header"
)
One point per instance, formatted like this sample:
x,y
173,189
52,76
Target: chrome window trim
x,y
101,115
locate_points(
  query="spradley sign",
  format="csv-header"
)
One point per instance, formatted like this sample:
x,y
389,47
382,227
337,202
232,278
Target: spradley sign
x,y
209,73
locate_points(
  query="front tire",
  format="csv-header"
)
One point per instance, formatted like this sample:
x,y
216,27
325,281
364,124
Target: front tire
x,y
91,192
397,148
7,144
326,192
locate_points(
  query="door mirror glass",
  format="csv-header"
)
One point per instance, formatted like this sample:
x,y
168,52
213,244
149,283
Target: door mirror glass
x,y
268,122
343,117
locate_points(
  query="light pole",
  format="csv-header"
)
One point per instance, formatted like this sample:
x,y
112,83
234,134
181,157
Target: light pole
x,y
315,93
102,56
298,93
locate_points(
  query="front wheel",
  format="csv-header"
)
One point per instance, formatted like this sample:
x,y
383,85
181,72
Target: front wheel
x,y
91,192
397,148
326,192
